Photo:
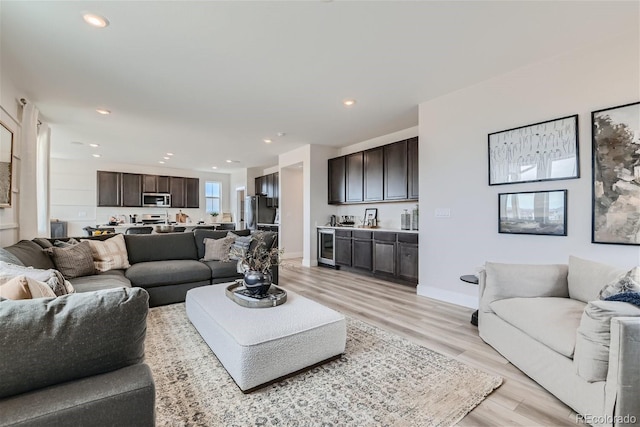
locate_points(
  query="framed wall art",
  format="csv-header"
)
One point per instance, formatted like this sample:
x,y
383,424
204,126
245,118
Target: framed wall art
x,y
542,151
533,212
616,175
6,165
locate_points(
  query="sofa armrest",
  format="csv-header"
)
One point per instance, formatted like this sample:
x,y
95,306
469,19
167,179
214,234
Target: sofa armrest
x,y
500,281
623,378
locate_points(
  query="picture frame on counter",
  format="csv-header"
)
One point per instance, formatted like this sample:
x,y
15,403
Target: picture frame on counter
x,y
533,212
544,151
616,175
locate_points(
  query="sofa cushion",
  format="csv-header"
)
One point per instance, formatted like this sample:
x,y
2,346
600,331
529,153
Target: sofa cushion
x,y
9,258
73,261
22,287
70,337
523,280
200,235
594,334
106,280
550,321
587,278
223,269
53,278
159,273
109,254
31,254
217,249
160,247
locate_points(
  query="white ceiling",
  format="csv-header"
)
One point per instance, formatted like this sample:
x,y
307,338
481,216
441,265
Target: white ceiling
x,y
210,80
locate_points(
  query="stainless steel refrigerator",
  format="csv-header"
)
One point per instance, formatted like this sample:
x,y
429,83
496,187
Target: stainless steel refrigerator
x,y
257,212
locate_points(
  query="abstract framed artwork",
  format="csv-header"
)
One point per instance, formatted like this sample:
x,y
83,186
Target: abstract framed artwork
x,y
542,151
533,212
616,175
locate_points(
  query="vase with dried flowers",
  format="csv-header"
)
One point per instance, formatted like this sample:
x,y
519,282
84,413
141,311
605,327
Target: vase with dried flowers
x,y
255,264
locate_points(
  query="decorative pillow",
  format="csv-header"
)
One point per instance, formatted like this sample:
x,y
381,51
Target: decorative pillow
x,y
22,287
110,254
8,257
74,261
627,282
52,278
217,249
63,244
239,247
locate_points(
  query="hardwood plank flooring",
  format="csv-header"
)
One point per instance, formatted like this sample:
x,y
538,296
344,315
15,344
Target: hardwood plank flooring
x,y
439,326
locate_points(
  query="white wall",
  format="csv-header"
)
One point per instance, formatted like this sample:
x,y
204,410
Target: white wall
x,y
74,193
453,165
292,211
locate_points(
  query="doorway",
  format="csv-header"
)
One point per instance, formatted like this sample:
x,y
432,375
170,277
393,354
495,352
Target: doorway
x,y
240,193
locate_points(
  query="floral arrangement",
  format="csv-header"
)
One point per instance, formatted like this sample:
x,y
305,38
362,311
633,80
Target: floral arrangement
x,y
259,258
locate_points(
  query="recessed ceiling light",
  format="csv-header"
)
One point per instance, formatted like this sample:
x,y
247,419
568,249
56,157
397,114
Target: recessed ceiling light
x,y
281,134
169,154
77,143
349,102
96,155
232,161
103,111
214,167
161,162
267,141
94,145
166,158
228,161
95,20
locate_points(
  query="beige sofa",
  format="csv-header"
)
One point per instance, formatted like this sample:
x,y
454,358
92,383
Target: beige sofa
x,y
547,321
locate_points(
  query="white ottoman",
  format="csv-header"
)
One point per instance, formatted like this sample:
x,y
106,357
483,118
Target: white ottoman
x,y
259,345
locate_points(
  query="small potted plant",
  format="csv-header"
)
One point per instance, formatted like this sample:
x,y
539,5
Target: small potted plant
x,y
255,263
214,216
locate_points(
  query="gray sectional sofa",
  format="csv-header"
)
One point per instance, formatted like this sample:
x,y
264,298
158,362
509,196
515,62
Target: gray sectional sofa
x,y
165,265
86,366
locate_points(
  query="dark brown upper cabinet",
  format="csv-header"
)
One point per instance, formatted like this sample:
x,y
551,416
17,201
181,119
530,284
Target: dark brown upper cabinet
x,y
178,193
373,174
412,163
192,192
395,171
337,180
354,173
149,183
131,189
109,188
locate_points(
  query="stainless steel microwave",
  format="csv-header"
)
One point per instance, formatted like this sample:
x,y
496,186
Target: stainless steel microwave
x,y
162,200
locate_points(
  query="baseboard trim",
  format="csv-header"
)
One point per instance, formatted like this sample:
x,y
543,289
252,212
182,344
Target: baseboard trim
x,y
290,255
448,296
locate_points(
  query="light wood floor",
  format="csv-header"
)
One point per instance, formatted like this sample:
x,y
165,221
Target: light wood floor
x,y
439,326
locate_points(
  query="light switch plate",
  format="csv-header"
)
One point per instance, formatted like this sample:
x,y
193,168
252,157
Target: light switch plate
x,y
443,213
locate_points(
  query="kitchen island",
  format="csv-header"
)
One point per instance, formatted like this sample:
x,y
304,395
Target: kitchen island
x,y
189,226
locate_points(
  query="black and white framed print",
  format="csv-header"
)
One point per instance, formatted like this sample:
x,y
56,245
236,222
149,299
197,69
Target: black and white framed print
x,y
542,151
616,175
533,212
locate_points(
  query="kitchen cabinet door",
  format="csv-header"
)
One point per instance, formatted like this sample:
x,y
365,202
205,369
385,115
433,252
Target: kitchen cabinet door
x,y
363,254
192,192
384,257
395,171
131,189
407,262
343,251
109,188
276,189
177,190
336,180
163,184
149,183
354,165
373,174
412,163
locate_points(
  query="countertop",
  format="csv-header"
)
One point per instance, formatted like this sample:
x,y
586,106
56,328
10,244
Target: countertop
x,y
175,224
392,230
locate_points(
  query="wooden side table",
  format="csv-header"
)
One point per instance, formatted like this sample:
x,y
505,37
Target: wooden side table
x,y
471,278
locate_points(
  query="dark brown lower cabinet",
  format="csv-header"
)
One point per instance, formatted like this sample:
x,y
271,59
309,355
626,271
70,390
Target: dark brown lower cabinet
x,y
362,250
384,257
407,263
343,248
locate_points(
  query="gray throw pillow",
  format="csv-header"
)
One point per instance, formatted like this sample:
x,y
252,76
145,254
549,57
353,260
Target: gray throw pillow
x,y
627,282
73,261
8,257
86,334
239,247
63,244
217,249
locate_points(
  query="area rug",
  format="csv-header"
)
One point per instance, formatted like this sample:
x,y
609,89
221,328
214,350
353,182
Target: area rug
x,y
382,379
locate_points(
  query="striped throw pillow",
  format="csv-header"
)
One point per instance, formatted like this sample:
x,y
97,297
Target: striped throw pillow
x,y
110,254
